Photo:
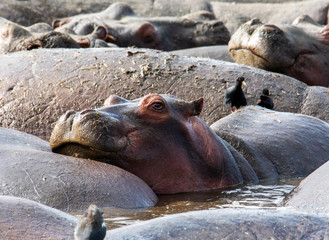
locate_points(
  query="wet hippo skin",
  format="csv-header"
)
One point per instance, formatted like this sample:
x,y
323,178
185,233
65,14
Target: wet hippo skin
x,y
161,139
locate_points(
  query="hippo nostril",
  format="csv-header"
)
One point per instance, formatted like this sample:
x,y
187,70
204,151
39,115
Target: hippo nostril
x,y
86,111
254,21
68,114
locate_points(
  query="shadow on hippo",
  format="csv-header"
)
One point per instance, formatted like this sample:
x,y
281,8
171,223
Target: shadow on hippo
x,y
160,139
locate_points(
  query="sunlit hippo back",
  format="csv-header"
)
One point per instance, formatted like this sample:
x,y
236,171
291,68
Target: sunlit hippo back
x,y
159,138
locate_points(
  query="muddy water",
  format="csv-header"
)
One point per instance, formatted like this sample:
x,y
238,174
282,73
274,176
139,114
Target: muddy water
x,y
264,195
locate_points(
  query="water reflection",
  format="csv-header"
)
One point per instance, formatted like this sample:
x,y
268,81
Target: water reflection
x,y
264,195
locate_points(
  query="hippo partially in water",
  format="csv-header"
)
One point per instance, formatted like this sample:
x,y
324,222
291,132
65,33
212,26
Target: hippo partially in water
x,y
160,139
299,50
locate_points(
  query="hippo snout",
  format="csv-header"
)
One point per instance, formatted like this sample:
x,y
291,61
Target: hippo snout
x,y
78,133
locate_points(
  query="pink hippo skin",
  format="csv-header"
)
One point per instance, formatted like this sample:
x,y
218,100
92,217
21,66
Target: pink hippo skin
x,y
184,154
299,50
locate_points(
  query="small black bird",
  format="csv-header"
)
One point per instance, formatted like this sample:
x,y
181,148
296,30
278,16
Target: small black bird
x,y
265,100
91,225
235,96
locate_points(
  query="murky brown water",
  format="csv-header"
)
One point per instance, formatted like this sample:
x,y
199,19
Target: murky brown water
x,y
264,195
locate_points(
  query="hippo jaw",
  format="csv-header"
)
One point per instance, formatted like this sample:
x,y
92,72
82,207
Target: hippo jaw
x,y
260,44
88,133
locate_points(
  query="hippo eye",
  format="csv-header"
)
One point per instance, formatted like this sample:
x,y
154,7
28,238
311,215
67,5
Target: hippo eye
x,y
157,106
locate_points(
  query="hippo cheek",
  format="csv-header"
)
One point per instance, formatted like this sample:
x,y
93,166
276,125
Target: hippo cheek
x,y
91,134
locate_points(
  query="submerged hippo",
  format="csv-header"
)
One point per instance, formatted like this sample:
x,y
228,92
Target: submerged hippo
x,y
30,170
166,33
160,139
299,50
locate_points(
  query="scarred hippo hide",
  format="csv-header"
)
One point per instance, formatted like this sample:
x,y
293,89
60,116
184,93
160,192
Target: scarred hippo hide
x,y
299,50
30,170
160,139
48,82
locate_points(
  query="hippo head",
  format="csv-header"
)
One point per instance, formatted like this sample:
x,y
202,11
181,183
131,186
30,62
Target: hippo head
x,y
14,37
158,138
300,50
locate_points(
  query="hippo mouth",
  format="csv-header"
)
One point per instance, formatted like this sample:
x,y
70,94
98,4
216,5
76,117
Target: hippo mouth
x,y
246,55
89,134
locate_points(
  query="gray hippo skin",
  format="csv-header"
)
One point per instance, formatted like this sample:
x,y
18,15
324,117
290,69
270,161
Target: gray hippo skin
x,y
48,82
30,170
276,144
233,15
267,145
166,33
229,224
299,50
25,219
312,194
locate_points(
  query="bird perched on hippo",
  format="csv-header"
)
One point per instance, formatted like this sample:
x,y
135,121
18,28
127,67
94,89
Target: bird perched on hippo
x,y
161,139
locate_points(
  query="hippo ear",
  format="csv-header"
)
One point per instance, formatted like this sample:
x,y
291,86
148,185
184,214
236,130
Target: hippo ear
x,y
101,33
83,42
197,107
148,35
325,34
60,22
114,99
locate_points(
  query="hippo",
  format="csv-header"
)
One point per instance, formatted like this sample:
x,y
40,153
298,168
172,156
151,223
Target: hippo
x,y
308,198
15,37
299,50
21,217
233,15
30,170
165,33
161,139
229,224
34,96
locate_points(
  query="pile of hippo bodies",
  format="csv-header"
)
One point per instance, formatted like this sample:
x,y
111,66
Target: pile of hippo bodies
x,y
301,49
60,185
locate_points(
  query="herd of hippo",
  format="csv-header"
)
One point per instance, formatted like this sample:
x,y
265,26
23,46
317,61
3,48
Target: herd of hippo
x,y
100,107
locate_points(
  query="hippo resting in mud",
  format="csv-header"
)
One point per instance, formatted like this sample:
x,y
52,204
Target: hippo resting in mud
x,y
299,50
160,139
30,170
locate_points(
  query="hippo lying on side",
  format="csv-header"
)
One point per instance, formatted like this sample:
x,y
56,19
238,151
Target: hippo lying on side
x,y
29,169
166,33
312,194
160,139
299,50
33,96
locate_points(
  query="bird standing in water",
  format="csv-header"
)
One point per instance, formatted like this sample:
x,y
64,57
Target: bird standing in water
x,y
91,226
235,96
265,100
